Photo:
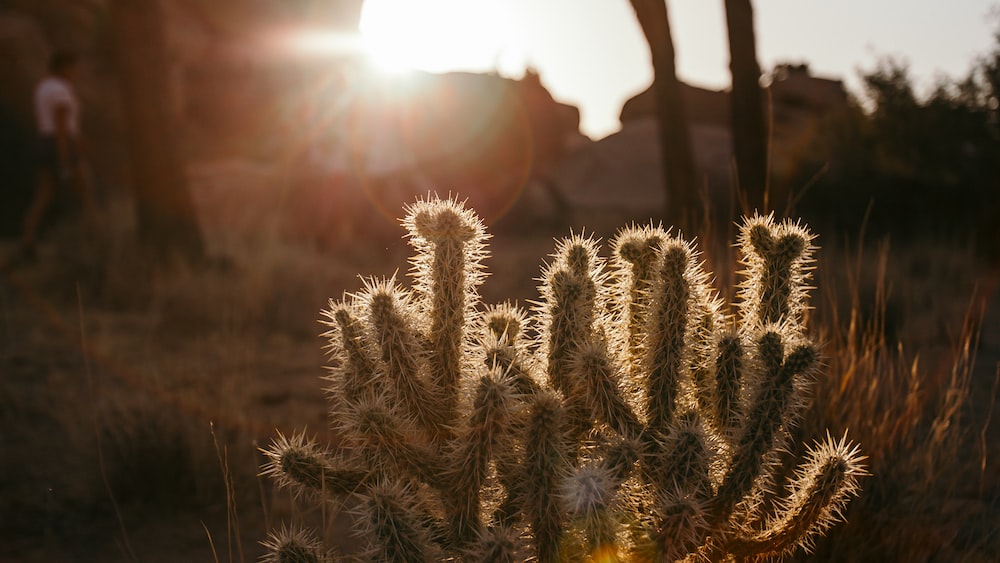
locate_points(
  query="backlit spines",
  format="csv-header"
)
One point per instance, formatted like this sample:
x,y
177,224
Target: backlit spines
x,y
506,322
823,485
570,292
307,469
485,433
730,363
767,412
778,261
395,524
390,443
294,545
588,497
679,528
621,456
546,466
681,460
670,323
498,544
503,346
571,306
624,418
598,383
708,322
393,328
449,240
353,375
506,355
634,256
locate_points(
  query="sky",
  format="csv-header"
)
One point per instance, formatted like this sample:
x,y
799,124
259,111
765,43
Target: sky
x,y
591,53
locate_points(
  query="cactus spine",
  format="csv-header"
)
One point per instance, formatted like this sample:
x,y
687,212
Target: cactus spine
x,y
625,418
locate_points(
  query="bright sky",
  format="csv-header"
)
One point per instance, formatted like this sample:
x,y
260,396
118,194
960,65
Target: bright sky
x,y
591,53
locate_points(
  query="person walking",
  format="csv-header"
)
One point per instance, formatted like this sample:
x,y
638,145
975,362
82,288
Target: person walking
x,y
59,151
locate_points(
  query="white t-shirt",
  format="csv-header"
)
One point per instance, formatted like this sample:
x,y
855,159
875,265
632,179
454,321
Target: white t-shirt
x,y
54,92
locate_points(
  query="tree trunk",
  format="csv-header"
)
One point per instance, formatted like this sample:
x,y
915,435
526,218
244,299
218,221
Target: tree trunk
x,y
748,124
164,211
676,156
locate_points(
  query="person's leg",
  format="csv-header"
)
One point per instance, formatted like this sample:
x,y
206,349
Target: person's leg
x,y
44,190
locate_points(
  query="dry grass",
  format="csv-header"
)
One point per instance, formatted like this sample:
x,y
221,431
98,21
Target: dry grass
x,y
900,365
115,376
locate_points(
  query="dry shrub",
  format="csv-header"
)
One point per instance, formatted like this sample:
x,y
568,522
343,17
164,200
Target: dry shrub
x,y
252,283
899,379
160,461
113,375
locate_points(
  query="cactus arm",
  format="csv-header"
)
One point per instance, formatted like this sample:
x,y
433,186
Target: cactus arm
x,y
389,442
546,463
570,305
484,432
355,376
307,469
684,457
502,346
702,349
777,259
635,255
594,371
666,330
681,527
396,525
401,354
764,418
728,381
824,484
448,268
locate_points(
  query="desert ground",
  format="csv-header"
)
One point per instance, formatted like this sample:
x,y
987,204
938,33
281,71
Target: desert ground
x,y
134,399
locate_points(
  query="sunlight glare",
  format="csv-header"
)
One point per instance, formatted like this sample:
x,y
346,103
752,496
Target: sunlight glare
x,y
605,554
435,35
321,42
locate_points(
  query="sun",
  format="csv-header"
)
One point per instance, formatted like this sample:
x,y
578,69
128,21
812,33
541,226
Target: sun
x,y
435,35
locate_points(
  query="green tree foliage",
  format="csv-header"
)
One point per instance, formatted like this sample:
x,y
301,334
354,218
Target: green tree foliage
x,y
923,161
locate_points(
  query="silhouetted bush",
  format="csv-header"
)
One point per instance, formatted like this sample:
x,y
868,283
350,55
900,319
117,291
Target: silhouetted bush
x,y
926,165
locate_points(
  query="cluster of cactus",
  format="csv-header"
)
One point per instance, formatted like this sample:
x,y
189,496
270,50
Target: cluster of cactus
x,y
624,417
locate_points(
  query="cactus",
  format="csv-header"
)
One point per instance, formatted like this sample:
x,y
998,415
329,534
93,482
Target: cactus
x,y
625,417
291,545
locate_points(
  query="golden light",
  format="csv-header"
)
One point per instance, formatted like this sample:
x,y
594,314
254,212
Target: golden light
x,y
319,42
435,35
605,554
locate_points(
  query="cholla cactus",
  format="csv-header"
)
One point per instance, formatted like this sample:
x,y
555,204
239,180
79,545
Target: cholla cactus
x,y
626,418
294,546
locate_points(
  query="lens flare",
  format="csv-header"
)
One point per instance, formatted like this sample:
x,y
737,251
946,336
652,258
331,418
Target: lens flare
x,y
605,554
435,35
